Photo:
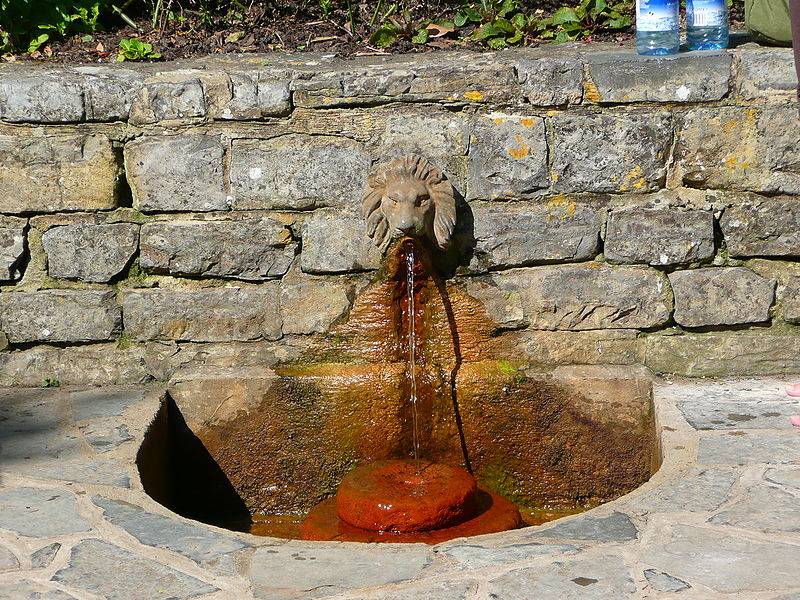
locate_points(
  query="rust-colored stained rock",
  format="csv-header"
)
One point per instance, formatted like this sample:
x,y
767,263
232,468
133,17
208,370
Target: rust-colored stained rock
x,y
494,514
406,495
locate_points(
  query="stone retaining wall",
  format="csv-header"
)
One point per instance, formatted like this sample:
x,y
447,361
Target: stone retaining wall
x,y
622,210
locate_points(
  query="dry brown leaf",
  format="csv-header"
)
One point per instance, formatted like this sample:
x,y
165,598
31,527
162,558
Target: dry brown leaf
x,y
323,39
48,51
437,30
100,47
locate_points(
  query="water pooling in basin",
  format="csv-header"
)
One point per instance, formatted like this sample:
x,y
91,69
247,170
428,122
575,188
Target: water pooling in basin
x,y
550,448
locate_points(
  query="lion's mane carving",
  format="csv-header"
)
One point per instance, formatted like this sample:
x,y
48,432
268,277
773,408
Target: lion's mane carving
x,y
409,196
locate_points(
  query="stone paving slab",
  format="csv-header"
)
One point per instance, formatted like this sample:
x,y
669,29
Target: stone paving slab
x,y
718,520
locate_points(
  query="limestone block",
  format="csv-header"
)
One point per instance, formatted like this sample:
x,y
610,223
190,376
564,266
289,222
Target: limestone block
x,y
766,74
336,243
589,296
109,91
723,354
551,81
442,138
520,233
41,98
298,172
790,304
507,157
312,305
721,296
89,252
622,76
659,236
183,172
250,249
598,347
761,226
59,316
273,97
741,148
610,153
231,95
59,173
12,248
173,96
222,314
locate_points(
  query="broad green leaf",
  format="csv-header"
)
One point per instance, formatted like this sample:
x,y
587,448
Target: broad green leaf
x,y
473,15
520,21
487,31
38,41
384,36
460,19
421,37
496,43
516,38
564,15
562,36
504,25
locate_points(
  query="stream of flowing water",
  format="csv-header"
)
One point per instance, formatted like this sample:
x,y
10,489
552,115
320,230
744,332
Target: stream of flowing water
x,y
411,259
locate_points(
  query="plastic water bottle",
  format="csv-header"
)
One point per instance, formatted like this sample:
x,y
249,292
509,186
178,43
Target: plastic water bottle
x,y
706,24
657,29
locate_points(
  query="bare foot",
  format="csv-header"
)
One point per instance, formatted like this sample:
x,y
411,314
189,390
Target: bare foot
x,y
793,390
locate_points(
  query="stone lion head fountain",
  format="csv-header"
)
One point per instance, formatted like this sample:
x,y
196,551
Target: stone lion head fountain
x,y
409,196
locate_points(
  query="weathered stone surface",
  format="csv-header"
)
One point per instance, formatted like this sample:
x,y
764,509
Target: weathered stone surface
x,y
106,570
721,296
41,98
723,354
610,153
741,148
207,315
766,74
762,227
12,252
442,137
738,447
39,513
176,173
30,431
274,98
724,562
664,582
109,92
336,567
606,578
95,364
703,414
94,472
89,252
430,590
26,590
551,81
251,249
474,556
231,95
298,172
60,316
616,527
620,76
612,347
105,402
169,97
507,157
590,296
790,477
699,490
104,435
198,543
312,305
337,243
8,562
790,300
45,555
520,234
764,508
659,236
59,173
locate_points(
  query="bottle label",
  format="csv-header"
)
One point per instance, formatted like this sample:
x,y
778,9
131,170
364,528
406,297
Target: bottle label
x,y
706,13
657,15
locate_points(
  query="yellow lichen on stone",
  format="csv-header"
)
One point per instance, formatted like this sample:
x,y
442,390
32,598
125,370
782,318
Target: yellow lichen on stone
x,y
522,151
476,96
634,179
590,92
527,123
498,120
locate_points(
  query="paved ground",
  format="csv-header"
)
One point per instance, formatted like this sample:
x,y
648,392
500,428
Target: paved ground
x,y
719,520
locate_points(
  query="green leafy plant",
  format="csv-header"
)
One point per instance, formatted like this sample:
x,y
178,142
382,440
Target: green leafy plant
x,y
326,8
590,16
48,382
27,24
133,49
500,23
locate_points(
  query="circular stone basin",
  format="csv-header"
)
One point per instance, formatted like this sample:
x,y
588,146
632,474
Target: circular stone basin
x,y
406,495
495,514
